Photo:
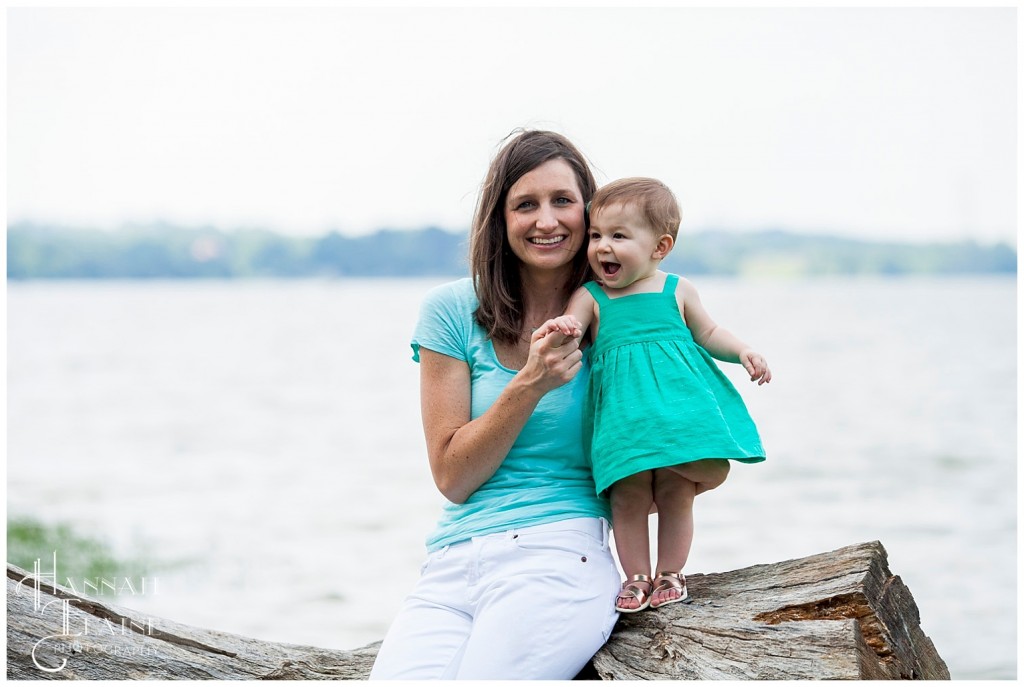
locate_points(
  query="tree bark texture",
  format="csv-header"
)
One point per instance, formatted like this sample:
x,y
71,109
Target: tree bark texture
x,y
840,615
836,615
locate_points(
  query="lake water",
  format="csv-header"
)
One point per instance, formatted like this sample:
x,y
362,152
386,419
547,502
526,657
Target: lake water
x,y
260,442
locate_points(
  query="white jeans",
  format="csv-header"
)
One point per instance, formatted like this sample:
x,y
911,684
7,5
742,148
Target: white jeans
x,y
530,603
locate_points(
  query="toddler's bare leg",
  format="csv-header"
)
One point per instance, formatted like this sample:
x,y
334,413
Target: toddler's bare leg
x,y
675,488
631,500
674,496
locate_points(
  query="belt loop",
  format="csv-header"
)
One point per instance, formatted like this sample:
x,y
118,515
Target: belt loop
x,y
604,534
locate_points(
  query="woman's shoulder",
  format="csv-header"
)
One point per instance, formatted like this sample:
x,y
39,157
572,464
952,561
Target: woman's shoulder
x,y
458,294
446,322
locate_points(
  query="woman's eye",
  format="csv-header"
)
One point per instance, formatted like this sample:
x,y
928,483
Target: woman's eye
x,y
562,201
525,205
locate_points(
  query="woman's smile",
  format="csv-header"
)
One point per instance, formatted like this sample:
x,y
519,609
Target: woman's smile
x,y
547,241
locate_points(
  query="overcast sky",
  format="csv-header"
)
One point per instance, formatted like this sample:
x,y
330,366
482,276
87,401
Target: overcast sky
x,y
894,123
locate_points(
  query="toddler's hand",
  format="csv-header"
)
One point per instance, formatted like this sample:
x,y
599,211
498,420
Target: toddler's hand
x,y
756,366
566,324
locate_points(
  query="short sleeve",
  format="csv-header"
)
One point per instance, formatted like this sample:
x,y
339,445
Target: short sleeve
x,y
446,316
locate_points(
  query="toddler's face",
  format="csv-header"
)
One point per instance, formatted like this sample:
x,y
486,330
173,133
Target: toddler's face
x,y
622,245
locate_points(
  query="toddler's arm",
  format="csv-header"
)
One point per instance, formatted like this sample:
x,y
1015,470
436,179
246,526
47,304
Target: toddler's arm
x,y
719,341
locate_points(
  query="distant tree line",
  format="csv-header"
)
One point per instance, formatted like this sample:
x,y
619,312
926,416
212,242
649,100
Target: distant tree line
x,y
161,251
785,253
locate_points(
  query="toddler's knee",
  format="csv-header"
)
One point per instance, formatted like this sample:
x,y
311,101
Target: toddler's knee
x,y
628,496
673,493
638,504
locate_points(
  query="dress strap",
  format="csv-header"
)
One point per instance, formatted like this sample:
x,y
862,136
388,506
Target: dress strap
x,y
670,283
597,292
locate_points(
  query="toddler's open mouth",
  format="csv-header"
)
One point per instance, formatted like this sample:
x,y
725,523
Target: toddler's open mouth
x,y
610,268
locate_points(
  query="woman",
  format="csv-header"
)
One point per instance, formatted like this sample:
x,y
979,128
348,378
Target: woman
x,y
519,581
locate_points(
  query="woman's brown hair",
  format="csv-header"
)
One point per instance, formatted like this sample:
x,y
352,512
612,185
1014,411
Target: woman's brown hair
x,y
495,269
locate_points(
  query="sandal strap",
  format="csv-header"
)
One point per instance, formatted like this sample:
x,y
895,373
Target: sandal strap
x,y
632,593
630,588
631,585
669,579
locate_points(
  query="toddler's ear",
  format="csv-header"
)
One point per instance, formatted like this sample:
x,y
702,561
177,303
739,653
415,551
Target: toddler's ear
x,y
663,247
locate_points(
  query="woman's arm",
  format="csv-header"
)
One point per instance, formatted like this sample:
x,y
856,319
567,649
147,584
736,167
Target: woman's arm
x,y
465,453
718,341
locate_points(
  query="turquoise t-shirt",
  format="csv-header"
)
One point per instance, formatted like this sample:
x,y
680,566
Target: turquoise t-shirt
x,y
545,477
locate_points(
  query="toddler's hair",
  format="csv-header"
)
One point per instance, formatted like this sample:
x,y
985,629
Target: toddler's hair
x,y
652,198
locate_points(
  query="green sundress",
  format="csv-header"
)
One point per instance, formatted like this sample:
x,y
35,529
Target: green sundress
x,y
656,398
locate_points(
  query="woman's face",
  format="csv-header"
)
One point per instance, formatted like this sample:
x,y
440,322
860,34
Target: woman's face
x,y
544,216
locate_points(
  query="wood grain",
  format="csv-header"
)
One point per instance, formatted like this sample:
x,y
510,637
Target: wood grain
x,y
836,615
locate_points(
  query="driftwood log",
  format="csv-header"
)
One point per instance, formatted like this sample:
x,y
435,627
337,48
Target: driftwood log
x,y
836,615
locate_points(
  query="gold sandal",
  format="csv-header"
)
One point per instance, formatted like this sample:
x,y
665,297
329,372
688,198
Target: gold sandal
x,y
669,580
632,590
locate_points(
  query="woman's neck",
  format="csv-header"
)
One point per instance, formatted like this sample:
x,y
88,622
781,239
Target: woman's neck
x,y
545,295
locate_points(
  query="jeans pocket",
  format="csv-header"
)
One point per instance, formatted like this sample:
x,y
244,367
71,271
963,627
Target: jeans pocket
x,y
433,556
569,543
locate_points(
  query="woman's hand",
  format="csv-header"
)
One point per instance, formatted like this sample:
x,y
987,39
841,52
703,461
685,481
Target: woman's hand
x,y
555,356
756,366
465,452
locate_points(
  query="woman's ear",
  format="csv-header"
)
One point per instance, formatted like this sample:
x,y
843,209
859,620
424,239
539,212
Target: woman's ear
x,y
663,247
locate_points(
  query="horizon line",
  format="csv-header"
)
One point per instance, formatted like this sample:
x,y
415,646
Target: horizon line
x,y
128,225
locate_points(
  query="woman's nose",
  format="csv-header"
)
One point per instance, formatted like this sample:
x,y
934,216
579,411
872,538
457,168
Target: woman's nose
x,y
546,218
